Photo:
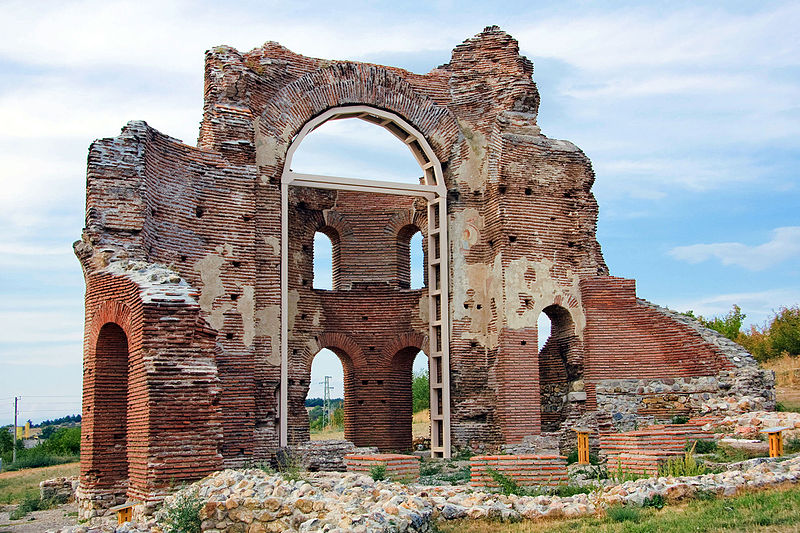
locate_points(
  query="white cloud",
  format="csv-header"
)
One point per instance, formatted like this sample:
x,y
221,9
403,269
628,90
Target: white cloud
x,y
785,244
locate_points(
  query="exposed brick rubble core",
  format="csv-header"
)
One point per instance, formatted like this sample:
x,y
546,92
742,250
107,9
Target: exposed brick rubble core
x,y
182,259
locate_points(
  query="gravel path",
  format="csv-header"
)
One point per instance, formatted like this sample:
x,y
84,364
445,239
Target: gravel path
x,y
39,521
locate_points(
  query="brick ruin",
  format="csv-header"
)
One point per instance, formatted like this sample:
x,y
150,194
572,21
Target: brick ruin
x,y
201,316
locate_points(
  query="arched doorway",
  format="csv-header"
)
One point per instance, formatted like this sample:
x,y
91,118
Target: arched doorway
x,y
431,187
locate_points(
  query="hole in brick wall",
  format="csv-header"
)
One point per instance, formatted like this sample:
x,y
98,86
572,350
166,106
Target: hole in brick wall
x,y
302,382
570,244
291,382
295,351
365,382
466,306
379,382
236,264
234,297
303,316
302,206
383,401
365,317
512,238
323,254
360,402
247,218
528,191
199,211
552,219
501,189
491,244
153,212
473,344
371,348
229,336
306,248
523,343
304,282
479,306
183,259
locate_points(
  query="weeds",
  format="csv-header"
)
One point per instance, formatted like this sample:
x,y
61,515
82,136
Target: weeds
x,y
621,475
656,501
622,513
429,469
702,446
683,466
792,445
289,466
572,457
183,514
680,419
378,472
29,504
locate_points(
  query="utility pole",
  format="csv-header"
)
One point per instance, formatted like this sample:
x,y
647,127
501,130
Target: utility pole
x,y
14,448
326,409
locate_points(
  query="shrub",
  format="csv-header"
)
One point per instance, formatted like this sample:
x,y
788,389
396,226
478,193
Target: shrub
x,y
702,446
429,469
506,484
683,466
621,513
656,501
680,419
183,514
420,391
378,472
29,504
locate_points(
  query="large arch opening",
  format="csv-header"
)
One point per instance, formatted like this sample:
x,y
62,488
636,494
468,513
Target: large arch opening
x,y
409,394
560,367
326,396
427,185
111,406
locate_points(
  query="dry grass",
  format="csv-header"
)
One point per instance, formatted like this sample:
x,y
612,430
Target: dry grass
x,y
420,427
14,486
787,380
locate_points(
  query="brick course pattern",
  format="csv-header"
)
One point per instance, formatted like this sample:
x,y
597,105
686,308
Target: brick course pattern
x,y
181,253
525,470
643,451
402,468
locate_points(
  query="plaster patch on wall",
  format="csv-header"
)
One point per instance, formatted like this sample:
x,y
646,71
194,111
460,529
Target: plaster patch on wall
x,y
473,169
268,150
424,309
275,243
268,323
542,290
294,297
209,268
246,307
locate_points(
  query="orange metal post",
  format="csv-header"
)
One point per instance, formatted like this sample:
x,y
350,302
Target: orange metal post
x,y
583,447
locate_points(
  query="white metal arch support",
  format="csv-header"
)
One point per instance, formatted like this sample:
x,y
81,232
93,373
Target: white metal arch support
x,y
435,192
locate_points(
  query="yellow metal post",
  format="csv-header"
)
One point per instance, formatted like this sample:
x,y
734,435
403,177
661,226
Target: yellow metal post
x,y
775,437
583,447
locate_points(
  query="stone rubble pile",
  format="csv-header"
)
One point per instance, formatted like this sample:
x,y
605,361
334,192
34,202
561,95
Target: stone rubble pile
x,y
749,424
252,501
327,455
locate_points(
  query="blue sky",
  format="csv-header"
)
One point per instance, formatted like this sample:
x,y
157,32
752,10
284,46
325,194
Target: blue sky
x,y
690,112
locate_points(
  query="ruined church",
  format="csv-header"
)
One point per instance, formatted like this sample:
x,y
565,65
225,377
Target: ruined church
x,y
202,319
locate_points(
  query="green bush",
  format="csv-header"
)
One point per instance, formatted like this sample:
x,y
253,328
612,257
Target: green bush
x,y
680,419
622,513
378,472
29,504
420,391
656,501
702,446
183,514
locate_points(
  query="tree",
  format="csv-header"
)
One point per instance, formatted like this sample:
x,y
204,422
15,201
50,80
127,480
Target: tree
x,y
730,325
784,332
6,441
420,391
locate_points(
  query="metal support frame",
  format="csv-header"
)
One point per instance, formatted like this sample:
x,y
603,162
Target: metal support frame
x,y
435,192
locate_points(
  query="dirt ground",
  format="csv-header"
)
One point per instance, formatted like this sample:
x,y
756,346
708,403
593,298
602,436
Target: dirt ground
x,y
39,521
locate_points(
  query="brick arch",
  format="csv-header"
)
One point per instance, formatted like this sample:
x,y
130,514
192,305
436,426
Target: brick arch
x,y
342,345
112,311
349,83
415,340
402,219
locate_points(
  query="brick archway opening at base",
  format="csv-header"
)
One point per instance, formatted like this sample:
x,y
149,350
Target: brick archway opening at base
x,y
560,369
111,399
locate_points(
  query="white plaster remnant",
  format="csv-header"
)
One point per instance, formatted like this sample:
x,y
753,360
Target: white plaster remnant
x,y
542,291
275,243
294,298
268,324
245,305
473,169
209,269
268,150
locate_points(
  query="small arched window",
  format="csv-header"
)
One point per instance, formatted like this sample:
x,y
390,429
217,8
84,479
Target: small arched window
x,y
410,258
326,259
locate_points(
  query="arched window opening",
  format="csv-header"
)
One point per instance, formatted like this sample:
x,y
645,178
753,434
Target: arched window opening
x,y
111,405
410,258
325,398
420,403
326,259
356,149
560,366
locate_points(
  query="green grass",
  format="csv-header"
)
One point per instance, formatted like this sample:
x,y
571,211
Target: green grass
x,y
16,486
774,510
